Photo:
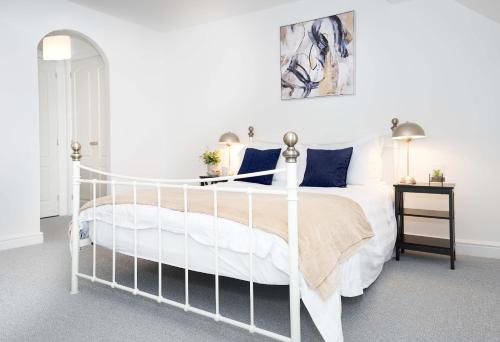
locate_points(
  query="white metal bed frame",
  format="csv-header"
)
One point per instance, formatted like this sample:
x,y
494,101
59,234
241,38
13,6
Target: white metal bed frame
x,y
290,195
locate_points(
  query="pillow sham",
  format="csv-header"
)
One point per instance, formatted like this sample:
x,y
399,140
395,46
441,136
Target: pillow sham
x,y
327,168
366,160
256,160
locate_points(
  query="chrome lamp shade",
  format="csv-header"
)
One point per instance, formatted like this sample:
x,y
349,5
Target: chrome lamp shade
x,y
408,131
229,138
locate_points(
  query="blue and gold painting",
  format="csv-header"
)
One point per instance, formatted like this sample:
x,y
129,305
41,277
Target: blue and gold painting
x,y
317,57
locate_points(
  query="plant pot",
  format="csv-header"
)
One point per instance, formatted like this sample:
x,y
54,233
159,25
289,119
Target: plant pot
x,y
440,179
213,170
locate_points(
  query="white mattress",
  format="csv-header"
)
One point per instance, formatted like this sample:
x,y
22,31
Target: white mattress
x,y
270,263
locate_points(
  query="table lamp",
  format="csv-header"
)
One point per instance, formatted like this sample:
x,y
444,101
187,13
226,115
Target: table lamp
x,y
228,139
408,131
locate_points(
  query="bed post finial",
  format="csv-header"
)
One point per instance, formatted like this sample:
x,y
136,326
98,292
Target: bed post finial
x,y
250,132
75,227
291,154
76,147
395,123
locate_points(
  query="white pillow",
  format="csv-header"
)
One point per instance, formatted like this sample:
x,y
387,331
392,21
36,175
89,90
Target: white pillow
x,y
366,161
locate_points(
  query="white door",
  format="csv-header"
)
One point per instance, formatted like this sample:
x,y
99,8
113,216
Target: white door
x,y
90,118
47,85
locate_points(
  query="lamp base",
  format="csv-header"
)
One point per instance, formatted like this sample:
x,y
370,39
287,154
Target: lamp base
x,y
408,180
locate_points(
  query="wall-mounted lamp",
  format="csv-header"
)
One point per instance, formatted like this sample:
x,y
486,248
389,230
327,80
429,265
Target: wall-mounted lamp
x,y
56,48
407,131
228,139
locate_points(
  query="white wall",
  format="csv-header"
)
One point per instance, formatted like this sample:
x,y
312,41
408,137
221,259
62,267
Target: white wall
x,y
433,62
136,102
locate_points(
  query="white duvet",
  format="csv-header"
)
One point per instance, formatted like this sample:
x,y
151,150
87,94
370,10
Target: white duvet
x,y
270,263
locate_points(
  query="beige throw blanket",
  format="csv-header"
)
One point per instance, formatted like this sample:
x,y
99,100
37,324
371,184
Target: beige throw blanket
x,y
331,228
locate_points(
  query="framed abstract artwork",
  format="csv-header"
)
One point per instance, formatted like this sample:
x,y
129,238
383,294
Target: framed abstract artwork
x,y
317,57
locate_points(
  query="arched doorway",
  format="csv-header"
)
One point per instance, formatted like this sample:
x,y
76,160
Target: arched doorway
x,y
73,105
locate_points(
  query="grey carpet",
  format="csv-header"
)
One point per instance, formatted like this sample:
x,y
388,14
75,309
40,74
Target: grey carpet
x,y
416,299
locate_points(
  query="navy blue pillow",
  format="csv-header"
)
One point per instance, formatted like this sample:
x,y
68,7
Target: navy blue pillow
x,y
327,168
259,160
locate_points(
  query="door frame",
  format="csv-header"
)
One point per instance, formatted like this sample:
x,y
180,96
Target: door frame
x,y
64,133
49,70
63,117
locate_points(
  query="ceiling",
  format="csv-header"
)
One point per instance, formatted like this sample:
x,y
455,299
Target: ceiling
x,y
488,8
167,15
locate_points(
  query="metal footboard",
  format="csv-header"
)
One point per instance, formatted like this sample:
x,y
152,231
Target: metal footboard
x,y
290,195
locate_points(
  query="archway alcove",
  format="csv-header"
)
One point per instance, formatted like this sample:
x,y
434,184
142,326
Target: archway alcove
x,y
73,106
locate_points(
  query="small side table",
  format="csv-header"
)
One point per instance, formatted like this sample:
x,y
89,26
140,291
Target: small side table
x,y
205,180
424,243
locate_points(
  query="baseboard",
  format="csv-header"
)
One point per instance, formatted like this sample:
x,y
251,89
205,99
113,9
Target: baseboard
x,y
485,249
21,241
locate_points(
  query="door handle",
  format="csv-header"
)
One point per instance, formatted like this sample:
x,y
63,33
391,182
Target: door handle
x,y
93,143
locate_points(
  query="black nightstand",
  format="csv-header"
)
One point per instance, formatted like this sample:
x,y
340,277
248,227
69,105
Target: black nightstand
x,y
424,243
206,180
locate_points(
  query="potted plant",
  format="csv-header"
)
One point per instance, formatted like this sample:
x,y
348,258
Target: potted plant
x,y
437,176
212,160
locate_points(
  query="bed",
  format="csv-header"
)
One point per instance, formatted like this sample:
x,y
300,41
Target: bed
x,y
131,228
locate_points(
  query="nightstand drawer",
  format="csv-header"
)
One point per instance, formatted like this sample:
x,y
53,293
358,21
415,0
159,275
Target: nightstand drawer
x,y
423,188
